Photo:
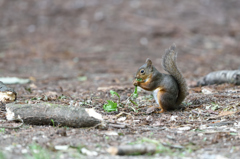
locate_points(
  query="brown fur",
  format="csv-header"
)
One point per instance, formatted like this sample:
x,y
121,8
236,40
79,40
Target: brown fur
x,y
145,85
159,95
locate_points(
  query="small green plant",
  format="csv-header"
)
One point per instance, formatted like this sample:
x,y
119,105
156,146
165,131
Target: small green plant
x,y
115,93
132,97
113,106
28,89
34,98
110,106
62,97
85,102
53,122
2,130
214,106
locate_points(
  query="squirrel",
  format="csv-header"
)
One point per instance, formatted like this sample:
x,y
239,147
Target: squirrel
x,y
169,90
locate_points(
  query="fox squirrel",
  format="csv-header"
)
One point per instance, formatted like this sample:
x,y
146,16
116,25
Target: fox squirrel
x,y
168,90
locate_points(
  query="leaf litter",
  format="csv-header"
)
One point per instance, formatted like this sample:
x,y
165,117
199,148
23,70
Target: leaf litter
x,y
81,60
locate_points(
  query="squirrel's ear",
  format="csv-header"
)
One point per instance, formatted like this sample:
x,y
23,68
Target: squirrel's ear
x,y
148,62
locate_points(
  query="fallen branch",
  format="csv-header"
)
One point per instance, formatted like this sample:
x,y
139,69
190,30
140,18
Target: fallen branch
x,y
53,114
219,77
138,149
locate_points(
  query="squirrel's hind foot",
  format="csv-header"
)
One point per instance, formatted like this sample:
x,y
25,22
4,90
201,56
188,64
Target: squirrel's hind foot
x,y
153,109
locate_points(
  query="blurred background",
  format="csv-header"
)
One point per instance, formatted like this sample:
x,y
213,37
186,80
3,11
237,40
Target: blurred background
x,y
107,40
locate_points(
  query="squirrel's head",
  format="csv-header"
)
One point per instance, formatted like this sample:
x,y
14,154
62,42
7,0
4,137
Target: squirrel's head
x,y
145,70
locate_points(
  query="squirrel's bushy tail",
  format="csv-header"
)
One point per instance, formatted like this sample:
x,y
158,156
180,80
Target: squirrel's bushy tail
x,y
169,65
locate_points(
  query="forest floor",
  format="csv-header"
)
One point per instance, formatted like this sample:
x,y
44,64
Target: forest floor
x,y
75,52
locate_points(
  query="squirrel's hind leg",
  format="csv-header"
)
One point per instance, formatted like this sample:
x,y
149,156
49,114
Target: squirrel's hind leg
x,y
152,109
165,100
157,94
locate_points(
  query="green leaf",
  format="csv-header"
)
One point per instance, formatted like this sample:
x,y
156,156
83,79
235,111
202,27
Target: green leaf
x,y
114,93
34,98
133,102
53,122
133,109
139,79
110,106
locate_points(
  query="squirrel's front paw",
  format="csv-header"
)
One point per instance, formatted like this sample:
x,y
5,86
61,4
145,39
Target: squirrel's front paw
x,y
135,83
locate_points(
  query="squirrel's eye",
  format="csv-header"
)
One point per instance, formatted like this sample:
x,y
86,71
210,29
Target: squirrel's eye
x,y
142,71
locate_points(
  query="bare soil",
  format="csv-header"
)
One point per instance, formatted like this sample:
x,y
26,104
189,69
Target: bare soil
x,y
76,51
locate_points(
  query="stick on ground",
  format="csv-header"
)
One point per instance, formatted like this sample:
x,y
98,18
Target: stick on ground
x,y
53,114
219,77
138,149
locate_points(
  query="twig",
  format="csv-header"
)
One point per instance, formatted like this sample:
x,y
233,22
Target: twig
x,y
222,123
128,99
118,115
118,126
101,125
219,116
172,146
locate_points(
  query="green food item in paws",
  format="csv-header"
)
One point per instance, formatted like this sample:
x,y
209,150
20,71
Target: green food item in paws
x,y
135,93
139,79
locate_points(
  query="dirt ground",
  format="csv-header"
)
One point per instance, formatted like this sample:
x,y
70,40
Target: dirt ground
x,y
76,51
